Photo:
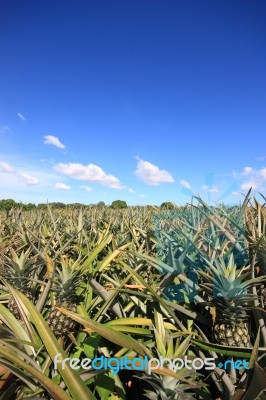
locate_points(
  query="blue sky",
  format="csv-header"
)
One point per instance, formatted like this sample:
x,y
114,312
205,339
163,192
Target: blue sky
x,y
145,101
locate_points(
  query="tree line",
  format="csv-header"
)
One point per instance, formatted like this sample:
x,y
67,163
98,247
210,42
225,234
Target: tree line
x,y
8,204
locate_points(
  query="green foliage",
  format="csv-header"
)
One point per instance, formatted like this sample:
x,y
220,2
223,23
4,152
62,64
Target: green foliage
x,y
168,205
119,204
28,206
57,204
7,205
42,206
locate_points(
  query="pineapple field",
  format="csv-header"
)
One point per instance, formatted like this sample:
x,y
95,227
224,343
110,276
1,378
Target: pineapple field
x,y
138,283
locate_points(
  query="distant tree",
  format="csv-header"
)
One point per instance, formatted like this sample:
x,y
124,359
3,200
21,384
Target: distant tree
x,y
101,204
28,206
119,204
58,204
75,205
167,205
42,205
7,204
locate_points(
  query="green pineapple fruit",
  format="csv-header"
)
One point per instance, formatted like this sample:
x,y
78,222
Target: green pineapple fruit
x,y
65,284
71,252
228,288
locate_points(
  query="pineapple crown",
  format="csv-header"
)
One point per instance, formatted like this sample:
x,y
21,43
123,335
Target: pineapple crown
x,y
19,269
66,282
255,217
229,289
168,388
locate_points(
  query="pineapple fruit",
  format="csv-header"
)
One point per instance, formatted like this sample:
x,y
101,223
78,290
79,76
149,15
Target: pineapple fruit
x,y
65,285
18,272
227,287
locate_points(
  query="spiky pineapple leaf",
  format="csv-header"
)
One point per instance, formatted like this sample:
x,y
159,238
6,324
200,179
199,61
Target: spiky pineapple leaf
x,y
76,386
25,371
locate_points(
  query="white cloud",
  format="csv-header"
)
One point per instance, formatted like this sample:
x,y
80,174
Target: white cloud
x,y
236,193
151,174
247,170
131,190
87,188
61,186
90,173
48,161
49,139
214,190
23,176
28,179
251,177
21,117
208,189
4,129
141,195
249,184
25,187
5,167
262,173
185,183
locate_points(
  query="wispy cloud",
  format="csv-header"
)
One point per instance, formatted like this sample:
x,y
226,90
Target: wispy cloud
x,y
251,177
90,173
4,128
131,190
87,188
185,183
5,167
262,173
23,176
151,174
61,186
21,117
141,195
53,140
250,184
28,179
212,189
247,171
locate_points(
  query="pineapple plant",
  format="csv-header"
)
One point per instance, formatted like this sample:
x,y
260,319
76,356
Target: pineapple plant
x,y
167,388
227,289
2,265
71,252
65,284
255,217
18,272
